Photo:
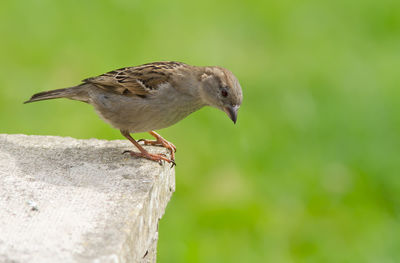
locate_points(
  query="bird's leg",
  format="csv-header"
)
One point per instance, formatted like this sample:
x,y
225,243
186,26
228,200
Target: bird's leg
x,y
160,141
143,153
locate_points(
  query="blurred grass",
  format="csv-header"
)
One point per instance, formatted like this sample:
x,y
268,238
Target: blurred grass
x,y
309,173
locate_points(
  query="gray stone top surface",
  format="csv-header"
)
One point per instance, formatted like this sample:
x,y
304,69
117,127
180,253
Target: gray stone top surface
x,y
69,200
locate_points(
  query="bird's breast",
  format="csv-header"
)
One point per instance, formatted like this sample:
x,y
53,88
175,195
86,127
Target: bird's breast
x,y
138,114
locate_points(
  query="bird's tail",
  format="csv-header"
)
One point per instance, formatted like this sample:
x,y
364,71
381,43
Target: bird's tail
x,y
74,93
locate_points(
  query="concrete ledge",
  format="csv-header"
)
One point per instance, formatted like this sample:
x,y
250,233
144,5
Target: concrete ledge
x,y
68,200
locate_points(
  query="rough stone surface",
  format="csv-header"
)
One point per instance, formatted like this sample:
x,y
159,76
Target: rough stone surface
x,y
69,200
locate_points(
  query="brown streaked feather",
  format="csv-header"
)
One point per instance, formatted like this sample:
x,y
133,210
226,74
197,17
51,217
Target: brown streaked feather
x,y
136,81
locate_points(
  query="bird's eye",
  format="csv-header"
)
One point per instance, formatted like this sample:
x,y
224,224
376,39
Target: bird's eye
x,y
224,93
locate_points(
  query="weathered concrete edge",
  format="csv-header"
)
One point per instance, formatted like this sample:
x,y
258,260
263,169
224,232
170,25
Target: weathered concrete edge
x,y
163,186
133,245
129,251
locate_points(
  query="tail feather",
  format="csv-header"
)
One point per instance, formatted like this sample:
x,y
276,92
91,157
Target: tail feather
x,y
75,93
47,95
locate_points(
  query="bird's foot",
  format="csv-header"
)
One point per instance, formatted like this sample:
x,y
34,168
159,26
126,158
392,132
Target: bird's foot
x,y
163,143
153,157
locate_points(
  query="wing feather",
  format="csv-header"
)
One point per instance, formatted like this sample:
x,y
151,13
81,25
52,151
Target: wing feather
x,y
136,81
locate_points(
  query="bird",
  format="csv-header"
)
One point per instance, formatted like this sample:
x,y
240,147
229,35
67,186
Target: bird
x,y
154,96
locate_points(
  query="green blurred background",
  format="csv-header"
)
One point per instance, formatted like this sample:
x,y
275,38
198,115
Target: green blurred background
x,y
310,173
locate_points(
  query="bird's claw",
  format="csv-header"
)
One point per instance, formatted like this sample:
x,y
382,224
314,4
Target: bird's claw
x,y
153,157
164,143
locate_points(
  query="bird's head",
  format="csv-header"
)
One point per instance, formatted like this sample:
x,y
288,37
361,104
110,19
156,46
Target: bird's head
x,y
221,89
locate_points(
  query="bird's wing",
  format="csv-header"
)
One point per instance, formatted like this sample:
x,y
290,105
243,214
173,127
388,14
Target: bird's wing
x,y
136,81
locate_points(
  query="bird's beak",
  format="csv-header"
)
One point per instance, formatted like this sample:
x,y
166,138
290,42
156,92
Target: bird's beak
x,y
231,111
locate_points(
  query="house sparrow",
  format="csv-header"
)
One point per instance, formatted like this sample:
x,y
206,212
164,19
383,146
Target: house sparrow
x,y
154,96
